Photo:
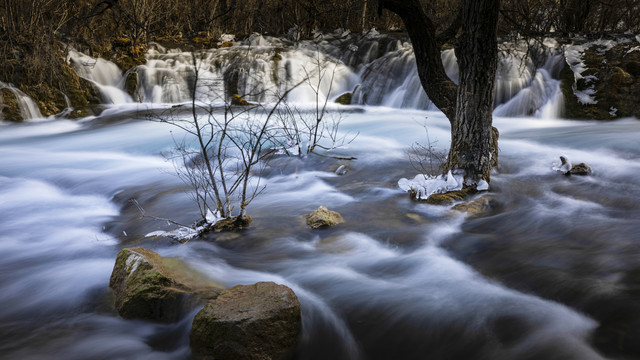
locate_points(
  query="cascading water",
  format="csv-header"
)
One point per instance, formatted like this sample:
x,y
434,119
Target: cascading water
x,y
392,282
105,75
28,108
380,70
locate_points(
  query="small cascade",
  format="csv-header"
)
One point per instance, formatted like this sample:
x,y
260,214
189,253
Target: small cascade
x,y
259,71
28,108
393,81
542,97
105,75
520,89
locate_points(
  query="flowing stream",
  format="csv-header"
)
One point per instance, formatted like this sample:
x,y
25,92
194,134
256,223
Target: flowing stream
x,y
550,273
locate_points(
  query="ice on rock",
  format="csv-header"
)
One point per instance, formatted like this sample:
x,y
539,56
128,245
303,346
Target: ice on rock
x,y
426,185
564,166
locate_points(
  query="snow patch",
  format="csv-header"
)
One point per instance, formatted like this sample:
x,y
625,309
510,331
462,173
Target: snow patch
x,y
635,48
425,185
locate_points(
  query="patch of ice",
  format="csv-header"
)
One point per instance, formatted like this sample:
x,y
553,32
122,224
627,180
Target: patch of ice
x,y
424,186
227,37
564,166
483,185
635,48
156,233
574,57
213,217
586,96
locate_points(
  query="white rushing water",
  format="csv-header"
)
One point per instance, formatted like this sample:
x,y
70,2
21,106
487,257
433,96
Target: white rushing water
x,y
28,108
400,279
382,276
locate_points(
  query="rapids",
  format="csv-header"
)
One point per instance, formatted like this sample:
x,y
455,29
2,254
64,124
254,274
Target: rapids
x,y
550,273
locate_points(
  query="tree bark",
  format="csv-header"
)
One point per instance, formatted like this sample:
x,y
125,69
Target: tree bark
x,y
477,53
468,106
440,89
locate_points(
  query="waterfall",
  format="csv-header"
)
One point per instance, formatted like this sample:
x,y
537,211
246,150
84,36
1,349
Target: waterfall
x,y
521,89
28,108
105,75
379,69
258,74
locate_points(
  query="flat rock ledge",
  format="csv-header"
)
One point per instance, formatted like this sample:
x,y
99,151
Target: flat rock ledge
x,y
260,321
150,287
323,217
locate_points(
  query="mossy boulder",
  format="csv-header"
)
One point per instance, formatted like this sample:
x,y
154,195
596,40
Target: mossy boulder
x,y
613,75
9,108
345,99
323,217
260,321
148,286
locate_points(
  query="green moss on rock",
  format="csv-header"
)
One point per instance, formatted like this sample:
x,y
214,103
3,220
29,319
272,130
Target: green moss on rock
x,y
237,100
323,217
612,77
345,99
260,321
235,223
9,108
451,196
148,286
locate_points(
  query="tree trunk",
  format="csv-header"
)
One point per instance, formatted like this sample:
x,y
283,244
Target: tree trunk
x,y
468,106
477,53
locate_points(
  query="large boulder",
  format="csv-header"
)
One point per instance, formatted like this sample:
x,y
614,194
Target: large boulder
x,y
323,217
148,286
260,321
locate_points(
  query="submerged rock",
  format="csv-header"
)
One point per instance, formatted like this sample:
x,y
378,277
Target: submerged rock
x,y
476,207
260,321
451,196
148,286
581,169
323,217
